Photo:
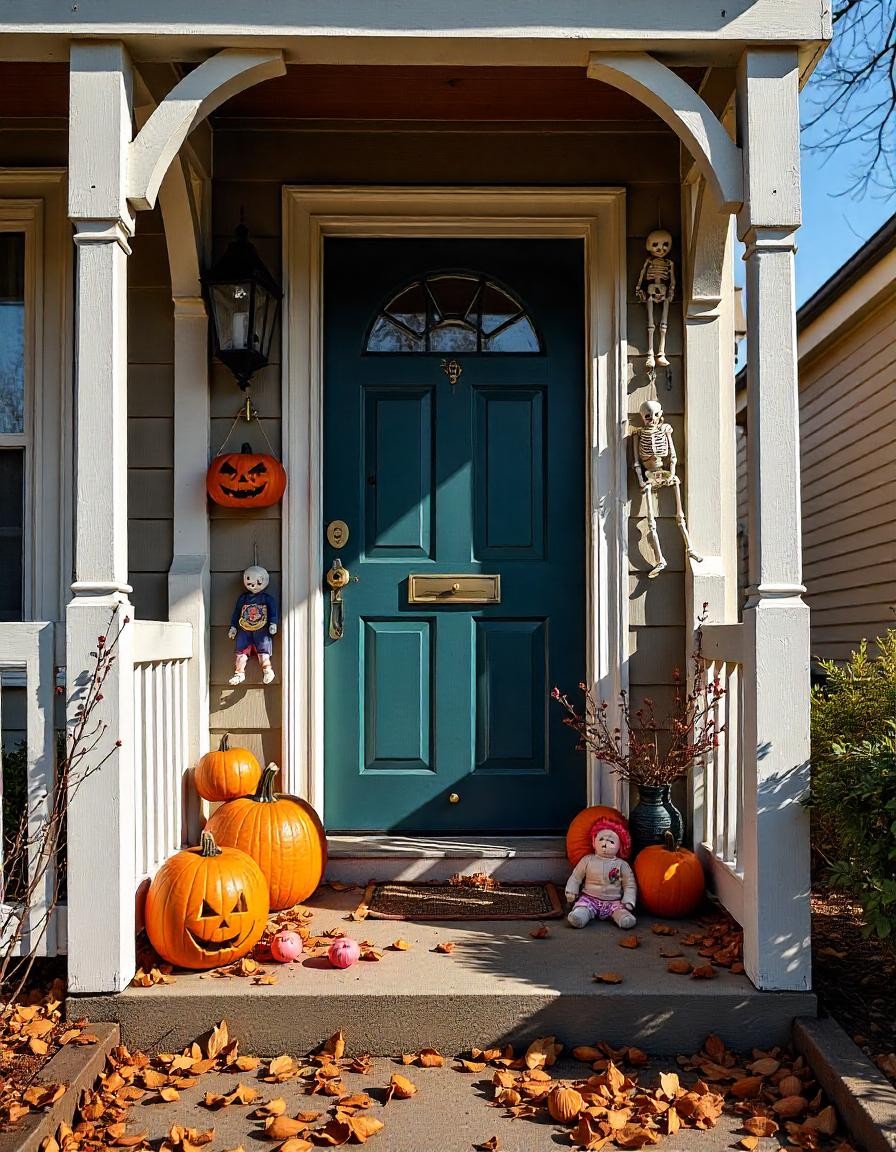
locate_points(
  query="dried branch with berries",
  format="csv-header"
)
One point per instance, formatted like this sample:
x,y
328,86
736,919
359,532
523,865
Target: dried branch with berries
x,y
643,748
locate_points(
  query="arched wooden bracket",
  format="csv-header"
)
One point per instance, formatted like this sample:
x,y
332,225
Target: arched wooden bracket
x,y
685,111
206,88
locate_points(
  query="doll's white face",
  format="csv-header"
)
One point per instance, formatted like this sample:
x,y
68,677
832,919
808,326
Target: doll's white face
x,y
256,578
606,844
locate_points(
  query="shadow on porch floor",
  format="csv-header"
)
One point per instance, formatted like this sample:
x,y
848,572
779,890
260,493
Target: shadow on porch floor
x,y
497,985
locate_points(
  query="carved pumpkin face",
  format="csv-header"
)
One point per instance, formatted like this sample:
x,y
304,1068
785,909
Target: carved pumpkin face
x,y
245,479
206,906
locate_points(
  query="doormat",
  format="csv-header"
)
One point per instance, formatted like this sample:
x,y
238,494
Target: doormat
x,y
404,901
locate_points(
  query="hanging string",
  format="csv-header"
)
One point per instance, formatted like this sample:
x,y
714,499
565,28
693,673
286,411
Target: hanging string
x,y
247,413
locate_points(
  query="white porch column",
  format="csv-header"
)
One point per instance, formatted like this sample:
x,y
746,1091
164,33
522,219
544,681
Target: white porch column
x,y
101,830
775,849
188,577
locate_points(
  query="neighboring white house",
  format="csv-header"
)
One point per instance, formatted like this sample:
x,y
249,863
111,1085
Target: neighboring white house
x,y
847,391
133,137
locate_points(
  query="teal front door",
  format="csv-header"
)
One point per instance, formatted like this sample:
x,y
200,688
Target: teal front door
x,y
454,454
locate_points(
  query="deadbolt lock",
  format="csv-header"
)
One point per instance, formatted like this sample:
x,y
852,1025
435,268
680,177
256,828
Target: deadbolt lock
x,y
337,576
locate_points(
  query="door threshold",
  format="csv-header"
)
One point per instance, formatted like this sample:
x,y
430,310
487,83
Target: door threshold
x,y
357,859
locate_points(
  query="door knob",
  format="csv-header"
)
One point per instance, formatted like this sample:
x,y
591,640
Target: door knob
x,y
454,798
337,576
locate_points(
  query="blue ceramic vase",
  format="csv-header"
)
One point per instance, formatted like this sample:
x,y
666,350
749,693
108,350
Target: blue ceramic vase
x,y
653,816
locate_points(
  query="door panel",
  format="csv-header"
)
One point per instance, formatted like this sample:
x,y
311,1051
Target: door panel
x,y
483,475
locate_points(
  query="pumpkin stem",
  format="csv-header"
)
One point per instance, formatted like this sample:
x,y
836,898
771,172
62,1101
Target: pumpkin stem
x,y
224,746
264,794
670,842
207,845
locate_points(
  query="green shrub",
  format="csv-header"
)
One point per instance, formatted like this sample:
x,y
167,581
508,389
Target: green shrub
x,y
857,795
852,716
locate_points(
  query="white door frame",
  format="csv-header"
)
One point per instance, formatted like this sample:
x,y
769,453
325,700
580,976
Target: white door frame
x,y
595,215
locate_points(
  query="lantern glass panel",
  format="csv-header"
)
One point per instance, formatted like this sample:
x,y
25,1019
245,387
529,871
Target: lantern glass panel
x,y
231,307
265,314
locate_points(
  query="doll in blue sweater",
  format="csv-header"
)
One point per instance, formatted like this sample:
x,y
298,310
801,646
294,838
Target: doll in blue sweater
x,y
254,622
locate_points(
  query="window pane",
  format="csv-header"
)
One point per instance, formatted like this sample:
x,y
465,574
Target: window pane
x,y
12,508
409,308
385,337
516,337
12,332
453,295
452,338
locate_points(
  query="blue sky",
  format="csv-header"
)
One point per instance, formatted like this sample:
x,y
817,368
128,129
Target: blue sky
x,y
835,222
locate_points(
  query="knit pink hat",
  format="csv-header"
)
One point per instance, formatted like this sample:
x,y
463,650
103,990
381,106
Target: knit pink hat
x,y
625,840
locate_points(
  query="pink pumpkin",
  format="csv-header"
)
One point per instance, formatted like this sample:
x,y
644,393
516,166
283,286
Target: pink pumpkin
x,y
344,952
285,946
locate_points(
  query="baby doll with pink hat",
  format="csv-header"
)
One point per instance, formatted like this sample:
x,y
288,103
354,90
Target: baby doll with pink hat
x,y
602,885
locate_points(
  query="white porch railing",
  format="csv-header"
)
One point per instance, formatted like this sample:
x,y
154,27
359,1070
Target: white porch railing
x,y
26,664
162,720
721,784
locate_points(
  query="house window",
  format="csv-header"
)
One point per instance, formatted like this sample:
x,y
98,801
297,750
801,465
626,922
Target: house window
x,y
13,424
453,312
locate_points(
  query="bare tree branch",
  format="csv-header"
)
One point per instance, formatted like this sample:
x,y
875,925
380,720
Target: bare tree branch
x,y
852,96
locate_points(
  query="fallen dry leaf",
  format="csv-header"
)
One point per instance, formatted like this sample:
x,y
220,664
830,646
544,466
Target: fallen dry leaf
x,y
542,932
283,1127
704,972
543,1052
663,930
748,1142
608,977
760,1126
400,1087
629,942
680,967
446,948
399,946
490,1145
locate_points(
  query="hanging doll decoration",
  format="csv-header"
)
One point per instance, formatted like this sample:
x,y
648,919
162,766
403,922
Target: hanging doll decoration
x,y
254,622
655,466
602,885
656,286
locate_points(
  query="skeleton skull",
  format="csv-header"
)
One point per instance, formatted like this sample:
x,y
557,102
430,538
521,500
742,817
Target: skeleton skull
x,y
651,414
256,578
659,243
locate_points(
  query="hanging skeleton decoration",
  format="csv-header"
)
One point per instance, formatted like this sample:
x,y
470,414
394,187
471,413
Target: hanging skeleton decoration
x,y
655,465
656,286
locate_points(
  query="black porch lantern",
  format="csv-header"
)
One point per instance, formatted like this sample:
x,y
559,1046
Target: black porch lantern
x,y
244,299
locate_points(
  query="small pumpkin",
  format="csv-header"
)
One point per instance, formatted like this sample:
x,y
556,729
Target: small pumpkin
x,y
286,946
565,1104
670,879
344,952
245,479
578,836
206,906
227,773
282,834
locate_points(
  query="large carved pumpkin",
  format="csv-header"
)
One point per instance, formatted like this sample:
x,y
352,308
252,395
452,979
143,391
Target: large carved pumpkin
x,y
578,839
670,879
206,906
245,479
281,833
227,773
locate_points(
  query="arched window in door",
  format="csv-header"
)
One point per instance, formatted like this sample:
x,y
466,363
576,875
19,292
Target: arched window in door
x,y
453,312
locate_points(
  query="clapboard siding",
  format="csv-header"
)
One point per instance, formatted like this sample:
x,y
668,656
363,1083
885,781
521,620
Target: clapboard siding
x,y
848,427
150,418
251,166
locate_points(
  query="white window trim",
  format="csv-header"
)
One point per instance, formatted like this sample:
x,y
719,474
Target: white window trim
x,y
33,201
596,215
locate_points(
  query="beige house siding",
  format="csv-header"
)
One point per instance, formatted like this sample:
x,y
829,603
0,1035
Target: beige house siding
x,y
848,426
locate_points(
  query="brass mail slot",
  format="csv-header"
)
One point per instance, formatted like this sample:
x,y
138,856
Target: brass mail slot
x,y
448,589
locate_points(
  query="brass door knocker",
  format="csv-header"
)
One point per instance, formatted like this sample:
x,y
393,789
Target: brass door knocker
x,y
452,370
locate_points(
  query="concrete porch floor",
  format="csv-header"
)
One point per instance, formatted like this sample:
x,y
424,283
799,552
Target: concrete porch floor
x,y
498,985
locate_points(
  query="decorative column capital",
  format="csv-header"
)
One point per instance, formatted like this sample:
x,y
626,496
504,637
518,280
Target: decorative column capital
x,y
766,239
105,230
190,308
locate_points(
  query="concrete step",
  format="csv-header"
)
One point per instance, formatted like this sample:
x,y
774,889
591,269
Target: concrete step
x,y
498,985
383,856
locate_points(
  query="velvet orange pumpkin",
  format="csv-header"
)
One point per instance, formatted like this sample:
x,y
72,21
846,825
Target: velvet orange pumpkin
x,y
670,880
282,834
245,479
578,839
206,906
227,773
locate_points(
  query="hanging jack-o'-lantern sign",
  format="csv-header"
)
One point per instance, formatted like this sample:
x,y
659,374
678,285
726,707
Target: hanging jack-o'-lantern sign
x,y
206,906
245,479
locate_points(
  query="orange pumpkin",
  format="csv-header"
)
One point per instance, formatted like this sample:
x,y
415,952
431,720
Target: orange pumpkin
x,y
245,479
578,840
282,834
670,879
227,773
206,906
